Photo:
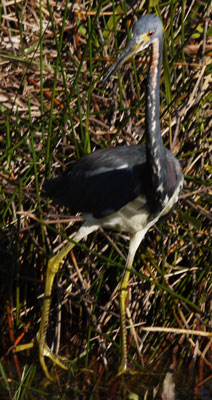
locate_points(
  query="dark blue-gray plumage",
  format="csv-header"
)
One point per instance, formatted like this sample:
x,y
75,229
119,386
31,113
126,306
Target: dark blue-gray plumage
x,y
108,179
124,188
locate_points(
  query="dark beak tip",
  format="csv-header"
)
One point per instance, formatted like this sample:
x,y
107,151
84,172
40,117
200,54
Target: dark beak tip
x,y
103,82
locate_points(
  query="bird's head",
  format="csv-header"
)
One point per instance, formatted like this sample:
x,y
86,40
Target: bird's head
x,y
147,29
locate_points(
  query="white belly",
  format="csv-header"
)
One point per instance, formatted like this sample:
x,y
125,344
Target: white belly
x,y
133,217
130,218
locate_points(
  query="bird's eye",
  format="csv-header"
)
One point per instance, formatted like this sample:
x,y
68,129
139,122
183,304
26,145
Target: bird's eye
x,y
151,33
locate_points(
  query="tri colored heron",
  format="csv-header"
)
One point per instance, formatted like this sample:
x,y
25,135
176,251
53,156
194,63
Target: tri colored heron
x,y
126,188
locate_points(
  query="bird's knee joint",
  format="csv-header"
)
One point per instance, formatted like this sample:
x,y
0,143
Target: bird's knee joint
x,y
53,265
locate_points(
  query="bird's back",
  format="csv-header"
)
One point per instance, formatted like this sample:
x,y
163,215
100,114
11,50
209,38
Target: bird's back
x,y
101,182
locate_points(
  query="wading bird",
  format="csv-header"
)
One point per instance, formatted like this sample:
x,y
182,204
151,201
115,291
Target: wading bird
x,y
127,188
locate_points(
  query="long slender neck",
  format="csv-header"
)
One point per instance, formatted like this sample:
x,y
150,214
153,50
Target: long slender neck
x,y
155,151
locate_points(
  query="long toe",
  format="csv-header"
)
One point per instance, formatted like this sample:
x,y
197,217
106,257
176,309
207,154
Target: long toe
x,y
44,351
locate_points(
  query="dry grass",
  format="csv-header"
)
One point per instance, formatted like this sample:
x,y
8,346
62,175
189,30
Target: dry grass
x,y
53,110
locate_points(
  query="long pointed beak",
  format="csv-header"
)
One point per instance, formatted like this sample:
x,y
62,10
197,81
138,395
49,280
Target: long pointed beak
x,y
133,47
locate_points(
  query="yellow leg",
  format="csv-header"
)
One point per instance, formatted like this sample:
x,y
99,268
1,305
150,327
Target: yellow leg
x,y
53,266
135,240
44,350
123,295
